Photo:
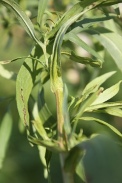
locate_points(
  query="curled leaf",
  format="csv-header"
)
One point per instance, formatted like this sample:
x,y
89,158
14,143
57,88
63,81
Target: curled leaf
x,y
85,60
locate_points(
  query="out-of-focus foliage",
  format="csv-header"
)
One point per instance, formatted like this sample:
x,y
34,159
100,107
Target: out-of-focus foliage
x,y
68,46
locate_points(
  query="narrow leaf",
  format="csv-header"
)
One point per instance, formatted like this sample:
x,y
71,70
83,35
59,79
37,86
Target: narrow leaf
x,y
42,151
85,60
75,39
96,83
103,123
110,2
111,41
107,94
18,58
103,105
41,9
50,145
45,114
80,25
78,8
87,103
93,86
114,111
22,17
55,70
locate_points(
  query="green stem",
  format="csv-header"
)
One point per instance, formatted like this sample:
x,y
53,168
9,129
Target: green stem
x,y
67,176
60,118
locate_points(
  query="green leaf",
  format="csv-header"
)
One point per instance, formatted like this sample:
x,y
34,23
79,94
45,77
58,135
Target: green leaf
x,y
38,124
78,9
24,84
23,57
44,112
42,115
87,103
103,105
81,25
96,83
114,111
5,131
22,17
49,144
85,60
93,86
75,39
103,123
41,9
71,16
42,151
110,2
111,41
107,94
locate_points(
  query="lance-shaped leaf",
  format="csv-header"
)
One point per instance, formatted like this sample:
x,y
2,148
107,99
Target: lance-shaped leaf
x,y
19,58
38,123
50,145
76,40
111,41
24,84
103,105
23,18
41,9
43,110
103,123
85,60
115,111
76,11
110,2
87,103
80,25
107,94
93,86
78,8
5,131
96,83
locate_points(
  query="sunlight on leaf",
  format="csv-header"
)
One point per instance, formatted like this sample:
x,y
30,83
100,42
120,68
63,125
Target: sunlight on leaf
x,y
107,94
114,111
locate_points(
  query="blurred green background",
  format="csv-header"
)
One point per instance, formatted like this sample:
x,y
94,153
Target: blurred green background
x,y
22,163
